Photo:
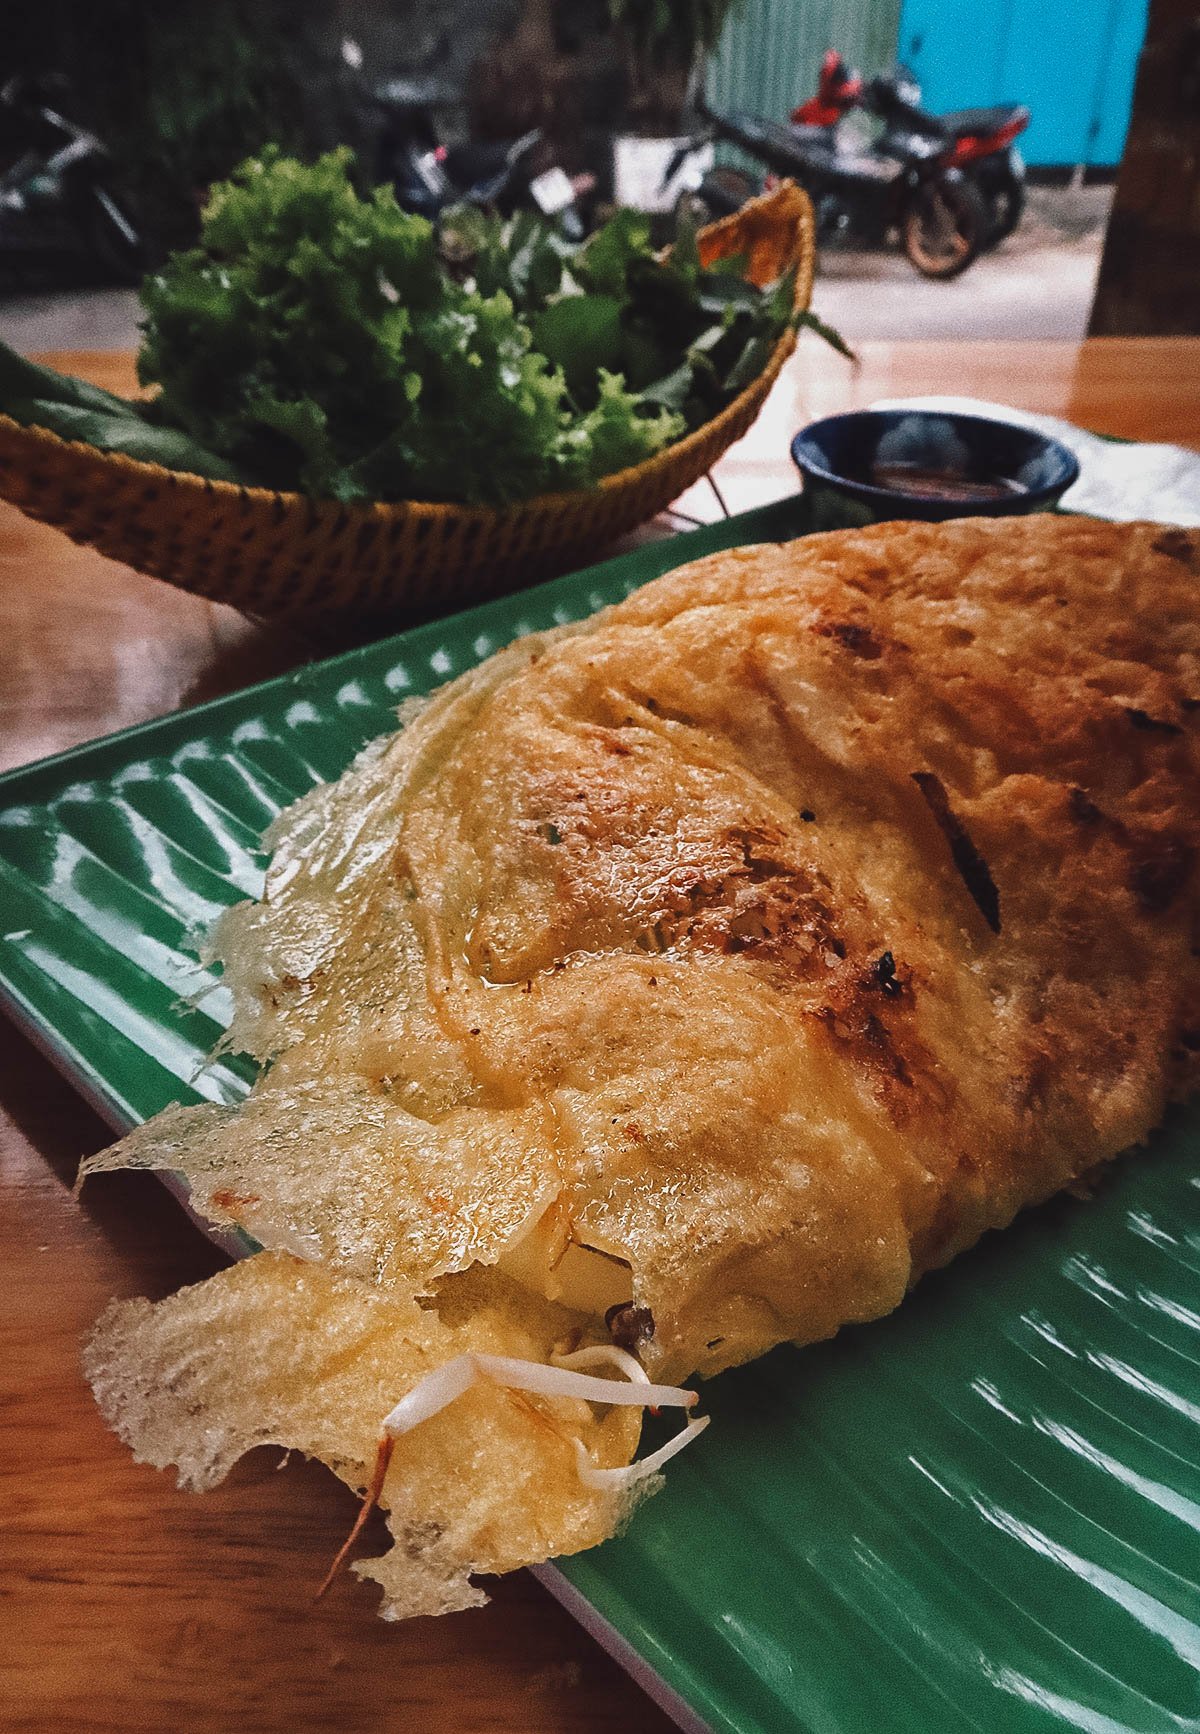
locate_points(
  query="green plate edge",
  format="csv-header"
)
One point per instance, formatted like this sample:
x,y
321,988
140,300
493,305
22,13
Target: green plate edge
x,y
981,1513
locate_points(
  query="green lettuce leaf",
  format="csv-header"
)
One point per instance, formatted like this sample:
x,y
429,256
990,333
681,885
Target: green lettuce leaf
x,y
123,432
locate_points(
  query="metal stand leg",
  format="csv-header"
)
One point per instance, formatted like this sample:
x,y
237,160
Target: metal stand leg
x,y
709,478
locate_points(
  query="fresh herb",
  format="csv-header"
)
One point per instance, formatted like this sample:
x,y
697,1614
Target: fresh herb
x,y
827,333
126,432
75,410
337,345
683,337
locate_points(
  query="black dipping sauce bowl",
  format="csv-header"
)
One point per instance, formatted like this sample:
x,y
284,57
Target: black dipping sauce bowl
x,y
879,464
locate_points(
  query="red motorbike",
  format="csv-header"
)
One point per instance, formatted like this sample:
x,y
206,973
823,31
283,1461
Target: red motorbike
x,y
979,142
945,187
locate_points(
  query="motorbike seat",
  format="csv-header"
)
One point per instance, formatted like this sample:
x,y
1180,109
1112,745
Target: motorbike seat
x,y
783,146
477,160
865,166
414,93
813,137
979,122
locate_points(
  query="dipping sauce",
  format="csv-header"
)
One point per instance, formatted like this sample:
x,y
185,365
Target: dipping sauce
x,y
928,484
872,465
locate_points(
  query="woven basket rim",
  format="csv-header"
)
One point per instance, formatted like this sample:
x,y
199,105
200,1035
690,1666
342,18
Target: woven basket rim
x,y
793,202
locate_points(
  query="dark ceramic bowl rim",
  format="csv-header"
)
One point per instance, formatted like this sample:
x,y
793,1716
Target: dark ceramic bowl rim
x,y
1048,491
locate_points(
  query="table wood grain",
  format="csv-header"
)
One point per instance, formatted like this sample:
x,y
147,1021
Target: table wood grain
x,y
124,1603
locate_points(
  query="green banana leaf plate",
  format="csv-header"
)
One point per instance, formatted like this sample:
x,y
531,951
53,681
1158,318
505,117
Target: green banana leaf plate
x,y
980,1514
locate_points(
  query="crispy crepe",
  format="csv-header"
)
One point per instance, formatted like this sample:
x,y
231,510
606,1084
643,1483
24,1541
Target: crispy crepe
x,y
696,978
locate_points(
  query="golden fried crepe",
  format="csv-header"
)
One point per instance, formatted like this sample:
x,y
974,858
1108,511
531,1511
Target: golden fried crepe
x,y
694,978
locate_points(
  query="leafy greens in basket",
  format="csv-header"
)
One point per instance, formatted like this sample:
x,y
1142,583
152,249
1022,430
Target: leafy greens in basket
x,y
339,346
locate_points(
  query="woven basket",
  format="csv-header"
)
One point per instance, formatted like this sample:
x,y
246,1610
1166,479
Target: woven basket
x,y
284,554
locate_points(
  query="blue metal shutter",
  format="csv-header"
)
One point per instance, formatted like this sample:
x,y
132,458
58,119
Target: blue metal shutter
x,y
1072,62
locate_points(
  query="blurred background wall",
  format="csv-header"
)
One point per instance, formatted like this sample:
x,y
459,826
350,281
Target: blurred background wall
x,y
180,92
770,50
1071,61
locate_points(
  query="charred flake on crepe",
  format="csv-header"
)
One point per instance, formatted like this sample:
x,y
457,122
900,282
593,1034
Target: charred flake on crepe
x,y
1150,724
762,906
630,1326
870,1038
1157,879
1082,808
1188,1048
973,870
883,976
858,639
1177,545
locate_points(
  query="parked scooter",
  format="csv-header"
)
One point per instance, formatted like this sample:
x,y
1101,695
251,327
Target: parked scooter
x,y
58,198
431,171
978,141
502,177
905,184
948,186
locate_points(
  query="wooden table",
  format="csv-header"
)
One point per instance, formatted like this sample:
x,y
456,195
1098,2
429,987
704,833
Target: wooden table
x,y
125,1604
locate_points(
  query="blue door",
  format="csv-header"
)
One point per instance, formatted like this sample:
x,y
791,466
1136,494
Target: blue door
x,y
1071,62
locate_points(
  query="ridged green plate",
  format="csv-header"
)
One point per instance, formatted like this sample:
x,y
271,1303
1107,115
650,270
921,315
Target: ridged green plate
x,y
983,1513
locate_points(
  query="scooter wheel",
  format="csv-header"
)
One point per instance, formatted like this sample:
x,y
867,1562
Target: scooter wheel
x,y
944,226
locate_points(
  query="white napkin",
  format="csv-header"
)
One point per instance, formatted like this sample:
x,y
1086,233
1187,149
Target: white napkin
x,y
1159,482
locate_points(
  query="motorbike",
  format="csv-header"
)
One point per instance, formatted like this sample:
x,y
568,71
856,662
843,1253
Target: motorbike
x,y
503,177
978,141
58,194
432,170
947,188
